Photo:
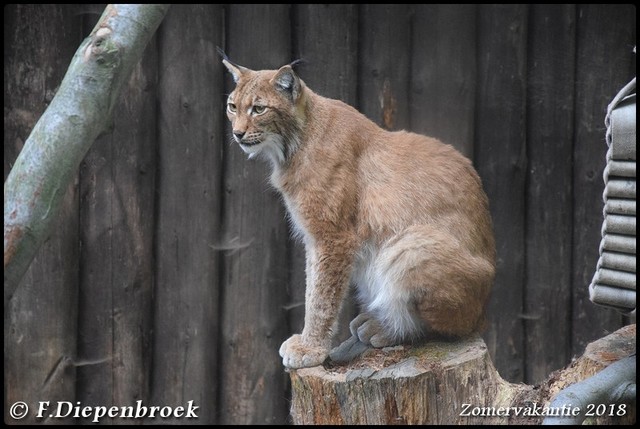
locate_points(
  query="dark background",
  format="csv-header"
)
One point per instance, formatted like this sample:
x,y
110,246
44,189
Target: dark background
x,y
170,275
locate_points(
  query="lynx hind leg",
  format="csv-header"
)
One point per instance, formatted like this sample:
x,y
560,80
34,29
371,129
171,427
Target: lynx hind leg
x,y
431,284
368,330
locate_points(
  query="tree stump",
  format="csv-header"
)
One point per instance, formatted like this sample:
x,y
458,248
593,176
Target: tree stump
x,y
440,383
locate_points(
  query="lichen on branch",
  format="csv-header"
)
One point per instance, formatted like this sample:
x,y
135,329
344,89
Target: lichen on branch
x,y
78,113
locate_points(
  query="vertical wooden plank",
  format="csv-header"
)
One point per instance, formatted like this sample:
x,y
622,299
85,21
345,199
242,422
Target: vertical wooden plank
x,y
255,274
326,36
384,46
443,73
188,209
605,63
550,91
40,320
117,188
500,157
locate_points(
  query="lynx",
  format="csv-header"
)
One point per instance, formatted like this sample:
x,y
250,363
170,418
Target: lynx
x,y
401,216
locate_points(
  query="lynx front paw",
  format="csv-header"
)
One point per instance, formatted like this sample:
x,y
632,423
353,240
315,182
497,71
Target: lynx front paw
x,y
296,354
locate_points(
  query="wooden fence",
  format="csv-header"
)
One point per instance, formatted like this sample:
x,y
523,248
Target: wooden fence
x,y
170,275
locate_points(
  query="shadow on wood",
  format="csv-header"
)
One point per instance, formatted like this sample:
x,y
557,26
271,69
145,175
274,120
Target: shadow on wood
x,y
441,383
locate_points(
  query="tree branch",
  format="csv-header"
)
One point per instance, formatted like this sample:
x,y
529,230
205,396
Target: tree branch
x,y
79,112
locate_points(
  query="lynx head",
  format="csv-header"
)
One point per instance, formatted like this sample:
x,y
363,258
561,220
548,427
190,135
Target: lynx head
x,y
265,110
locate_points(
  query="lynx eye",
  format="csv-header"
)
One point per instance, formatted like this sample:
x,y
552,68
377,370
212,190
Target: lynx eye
x,y
231,107
259,110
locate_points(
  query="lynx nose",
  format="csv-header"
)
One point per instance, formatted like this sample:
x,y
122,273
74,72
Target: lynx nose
x,y
238,135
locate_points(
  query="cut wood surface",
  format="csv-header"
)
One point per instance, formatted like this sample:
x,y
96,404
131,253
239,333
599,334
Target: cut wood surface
x,y
440,383
597,356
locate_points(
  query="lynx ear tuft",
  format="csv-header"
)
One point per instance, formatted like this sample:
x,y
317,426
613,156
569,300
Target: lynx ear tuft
x,y
298,62
288,82
235,70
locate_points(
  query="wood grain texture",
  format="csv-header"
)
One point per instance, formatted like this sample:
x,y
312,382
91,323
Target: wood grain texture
x,y
443,73
596,356
331,71
40,321
117,193
550,104
420,385
604,64
188,210
384,48
330,52
255,273
431,383
500,158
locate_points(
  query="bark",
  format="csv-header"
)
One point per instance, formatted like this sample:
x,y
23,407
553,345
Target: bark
x,y
429,385
79,112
